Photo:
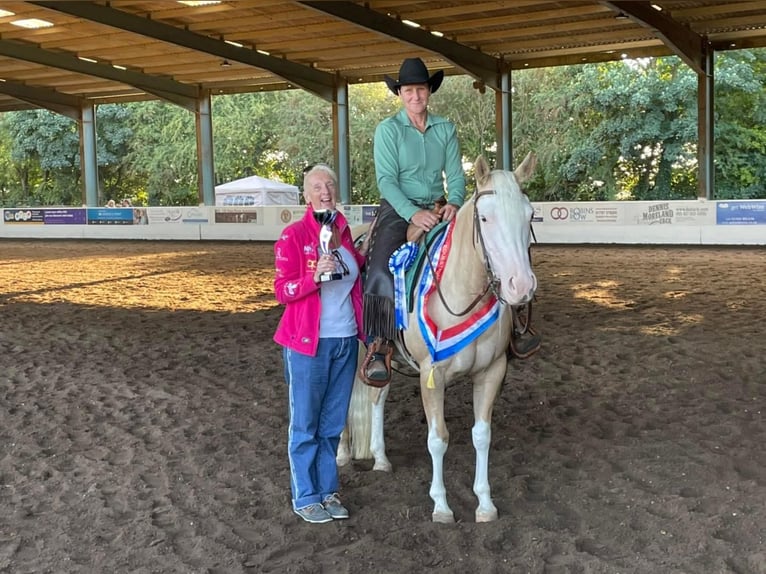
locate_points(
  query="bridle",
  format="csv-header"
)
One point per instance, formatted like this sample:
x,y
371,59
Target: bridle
x,y
493,282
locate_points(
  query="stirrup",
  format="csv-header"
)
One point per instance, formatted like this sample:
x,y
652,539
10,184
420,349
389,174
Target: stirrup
x,y
377,350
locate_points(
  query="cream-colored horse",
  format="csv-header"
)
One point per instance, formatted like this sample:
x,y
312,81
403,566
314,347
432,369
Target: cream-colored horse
x,y
488,261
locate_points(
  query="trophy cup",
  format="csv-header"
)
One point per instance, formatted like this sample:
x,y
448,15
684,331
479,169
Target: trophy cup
x,y
325,219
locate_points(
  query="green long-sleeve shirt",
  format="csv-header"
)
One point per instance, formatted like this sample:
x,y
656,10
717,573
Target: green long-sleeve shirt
x,y
412,168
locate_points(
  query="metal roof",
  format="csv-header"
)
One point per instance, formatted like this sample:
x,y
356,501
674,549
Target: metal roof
x,y
126,50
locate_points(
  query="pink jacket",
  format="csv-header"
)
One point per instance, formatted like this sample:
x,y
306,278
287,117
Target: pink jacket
x,y
295,259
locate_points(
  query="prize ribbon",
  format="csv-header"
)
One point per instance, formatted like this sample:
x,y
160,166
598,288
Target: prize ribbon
x,y
401,260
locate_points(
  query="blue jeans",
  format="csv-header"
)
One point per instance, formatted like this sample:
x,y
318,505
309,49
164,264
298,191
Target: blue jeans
x,y
319,393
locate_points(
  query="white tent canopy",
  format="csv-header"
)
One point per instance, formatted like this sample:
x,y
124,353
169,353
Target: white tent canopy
x,y
256,190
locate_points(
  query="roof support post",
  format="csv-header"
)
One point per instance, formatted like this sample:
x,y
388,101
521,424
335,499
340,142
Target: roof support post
x,y
706,126
204,123
88,161
340,123
504,122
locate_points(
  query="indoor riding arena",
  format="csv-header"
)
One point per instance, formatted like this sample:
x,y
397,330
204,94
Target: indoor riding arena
x,y
144,422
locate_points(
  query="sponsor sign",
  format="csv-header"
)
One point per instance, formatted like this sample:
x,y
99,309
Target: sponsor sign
x,y
46,216
741,213
110,216
237,215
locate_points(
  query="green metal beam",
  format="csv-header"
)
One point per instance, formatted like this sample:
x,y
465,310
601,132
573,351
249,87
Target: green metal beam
x,y
88,153
310,79
685,43
165,88
52,100
478,64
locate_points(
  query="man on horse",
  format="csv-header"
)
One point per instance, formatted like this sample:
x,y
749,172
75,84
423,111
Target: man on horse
x,y
417,155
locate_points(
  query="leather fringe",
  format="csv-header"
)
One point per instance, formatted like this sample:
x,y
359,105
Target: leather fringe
x,y
379,317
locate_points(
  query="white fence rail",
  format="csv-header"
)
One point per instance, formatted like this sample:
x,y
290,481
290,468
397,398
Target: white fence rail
x,y
636,222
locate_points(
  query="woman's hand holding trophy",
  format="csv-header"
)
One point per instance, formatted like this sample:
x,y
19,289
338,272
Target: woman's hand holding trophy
x,y
326,263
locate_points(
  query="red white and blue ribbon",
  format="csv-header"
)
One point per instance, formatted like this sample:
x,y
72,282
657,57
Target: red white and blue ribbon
x,y
442,344
401,260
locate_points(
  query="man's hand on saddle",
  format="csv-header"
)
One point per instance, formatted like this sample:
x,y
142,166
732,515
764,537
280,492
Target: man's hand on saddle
x,y
448,212
425,219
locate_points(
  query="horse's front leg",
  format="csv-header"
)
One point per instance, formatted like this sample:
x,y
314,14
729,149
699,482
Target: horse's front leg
x,y
482,435
438,441
485,390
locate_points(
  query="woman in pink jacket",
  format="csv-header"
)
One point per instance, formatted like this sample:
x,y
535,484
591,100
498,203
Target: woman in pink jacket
x,y
318,281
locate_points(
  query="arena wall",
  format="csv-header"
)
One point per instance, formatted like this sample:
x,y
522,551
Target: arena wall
x,y
741,222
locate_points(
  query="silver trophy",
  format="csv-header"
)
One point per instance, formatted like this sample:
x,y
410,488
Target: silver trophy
x,y
325,219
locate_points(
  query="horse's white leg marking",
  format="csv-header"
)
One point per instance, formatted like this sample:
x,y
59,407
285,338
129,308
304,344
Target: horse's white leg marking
x,y
437,447
377,437
482,435
438,441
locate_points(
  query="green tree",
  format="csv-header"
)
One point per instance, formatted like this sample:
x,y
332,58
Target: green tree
x,y
114,134
163,153
369,104
740,139
45,152
628,130
473,112
244,135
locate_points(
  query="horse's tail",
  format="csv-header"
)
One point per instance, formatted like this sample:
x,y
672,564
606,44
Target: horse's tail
x,y
359,422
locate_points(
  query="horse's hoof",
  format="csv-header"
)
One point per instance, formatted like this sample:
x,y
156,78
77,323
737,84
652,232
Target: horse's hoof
x,y
343,457
484,516
443,517
382,465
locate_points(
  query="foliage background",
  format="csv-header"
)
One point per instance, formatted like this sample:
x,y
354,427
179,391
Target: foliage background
x,y
617,130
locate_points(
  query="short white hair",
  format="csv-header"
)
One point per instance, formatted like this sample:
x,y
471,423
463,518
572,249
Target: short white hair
x,y
319,167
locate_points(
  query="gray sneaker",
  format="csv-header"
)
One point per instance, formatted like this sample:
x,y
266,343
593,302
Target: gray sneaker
x,y
314,513
334,508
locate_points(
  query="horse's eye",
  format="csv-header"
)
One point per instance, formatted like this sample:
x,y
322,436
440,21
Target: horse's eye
x,y
483,218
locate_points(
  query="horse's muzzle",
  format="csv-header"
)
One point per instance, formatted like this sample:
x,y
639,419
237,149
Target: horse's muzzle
x,y
520,289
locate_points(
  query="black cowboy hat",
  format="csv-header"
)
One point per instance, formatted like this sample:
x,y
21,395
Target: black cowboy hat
x,y
414,71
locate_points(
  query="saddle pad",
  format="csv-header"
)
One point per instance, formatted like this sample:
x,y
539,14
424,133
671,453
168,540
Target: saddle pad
x,y
414,271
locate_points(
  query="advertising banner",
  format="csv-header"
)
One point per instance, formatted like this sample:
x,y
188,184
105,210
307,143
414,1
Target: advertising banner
x,y
110,216
238,215
55,216
741,213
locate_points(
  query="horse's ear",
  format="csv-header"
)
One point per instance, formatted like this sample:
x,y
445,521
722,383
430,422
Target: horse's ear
x,y
527,167
481,169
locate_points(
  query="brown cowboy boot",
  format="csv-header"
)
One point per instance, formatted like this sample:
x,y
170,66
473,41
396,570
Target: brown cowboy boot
x,y
376,367
524,345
